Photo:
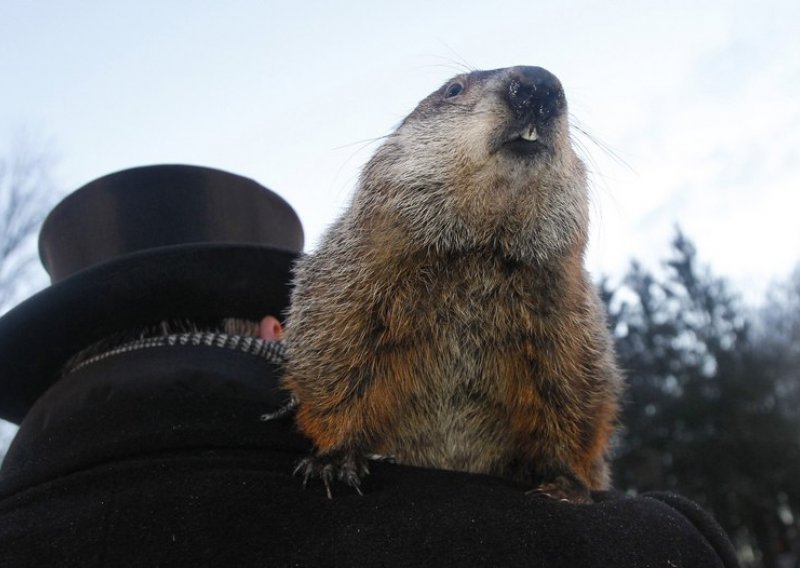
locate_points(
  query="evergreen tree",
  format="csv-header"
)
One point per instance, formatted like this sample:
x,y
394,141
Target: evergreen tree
x,y
703,414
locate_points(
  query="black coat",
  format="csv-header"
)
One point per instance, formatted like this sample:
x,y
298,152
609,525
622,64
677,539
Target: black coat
x,y
159,458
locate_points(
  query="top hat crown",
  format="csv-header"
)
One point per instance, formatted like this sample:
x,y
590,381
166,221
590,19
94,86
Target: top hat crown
x,y
158,206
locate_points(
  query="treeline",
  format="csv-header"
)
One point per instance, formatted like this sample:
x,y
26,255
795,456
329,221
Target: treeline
x,y
712,407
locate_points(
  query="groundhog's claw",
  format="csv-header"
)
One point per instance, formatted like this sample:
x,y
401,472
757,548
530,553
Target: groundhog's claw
x,y
346,467
563,488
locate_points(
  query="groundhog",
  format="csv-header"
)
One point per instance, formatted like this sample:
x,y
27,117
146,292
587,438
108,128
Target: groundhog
x,y
446,319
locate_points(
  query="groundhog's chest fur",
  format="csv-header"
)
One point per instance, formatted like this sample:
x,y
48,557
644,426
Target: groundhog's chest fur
x,y
469,334
482,352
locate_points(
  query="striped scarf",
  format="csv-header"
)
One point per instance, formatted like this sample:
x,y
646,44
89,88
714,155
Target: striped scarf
x,y
273,351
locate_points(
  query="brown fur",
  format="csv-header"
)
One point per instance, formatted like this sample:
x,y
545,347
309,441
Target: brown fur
x,y
446,319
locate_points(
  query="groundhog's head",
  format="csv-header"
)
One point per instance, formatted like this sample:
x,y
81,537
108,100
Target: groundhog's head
x,y
485,161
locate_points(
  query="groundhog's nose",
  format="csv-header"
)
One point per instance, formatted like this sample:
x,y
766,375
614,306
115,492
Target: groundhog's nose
x,y
534,94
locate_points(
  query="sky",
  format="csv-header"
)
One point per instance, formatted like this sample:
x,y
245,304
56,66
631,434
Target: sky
x,y
691,109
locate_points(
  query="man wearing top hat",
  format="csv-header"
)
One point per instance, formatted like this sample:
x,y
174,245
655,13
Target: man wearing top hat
x,y
139,379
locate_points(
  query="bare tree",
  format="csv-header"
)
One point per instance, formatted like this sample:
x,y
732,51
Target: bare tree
x,y
26,196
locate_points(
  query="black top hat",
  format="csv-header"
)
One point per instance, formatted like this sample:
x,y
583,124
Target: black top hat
x,y
140,246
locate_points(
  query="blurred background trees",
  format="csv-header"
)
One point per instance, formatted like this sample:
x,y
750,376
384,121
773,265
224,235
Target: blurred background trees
x,y
27,194
712,409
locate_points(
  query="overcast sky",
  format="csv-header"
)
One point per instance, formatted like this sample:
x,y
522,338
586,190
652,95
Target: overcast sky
x,y
692,107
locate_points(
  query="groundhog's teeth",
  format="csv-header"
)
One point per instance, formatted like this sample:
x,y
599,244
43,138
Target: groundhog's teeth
x,y
530,134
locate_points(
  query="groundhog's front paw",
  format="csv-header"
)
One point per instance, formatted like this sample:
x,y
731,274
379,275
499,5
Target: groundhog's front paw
x,y
564,488
344,466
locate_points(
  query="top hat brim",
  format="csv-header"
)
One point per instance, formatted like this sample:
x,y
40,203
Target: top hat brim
x,y
183,281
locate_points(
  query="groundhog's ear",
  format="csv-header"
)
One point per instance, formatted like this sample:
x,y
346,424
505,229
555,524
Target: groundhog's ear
x,y
270,329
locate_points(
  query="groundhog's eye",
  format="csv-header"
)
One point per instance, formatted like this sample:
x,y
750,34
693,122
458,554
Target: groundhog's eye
x,y
453,89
